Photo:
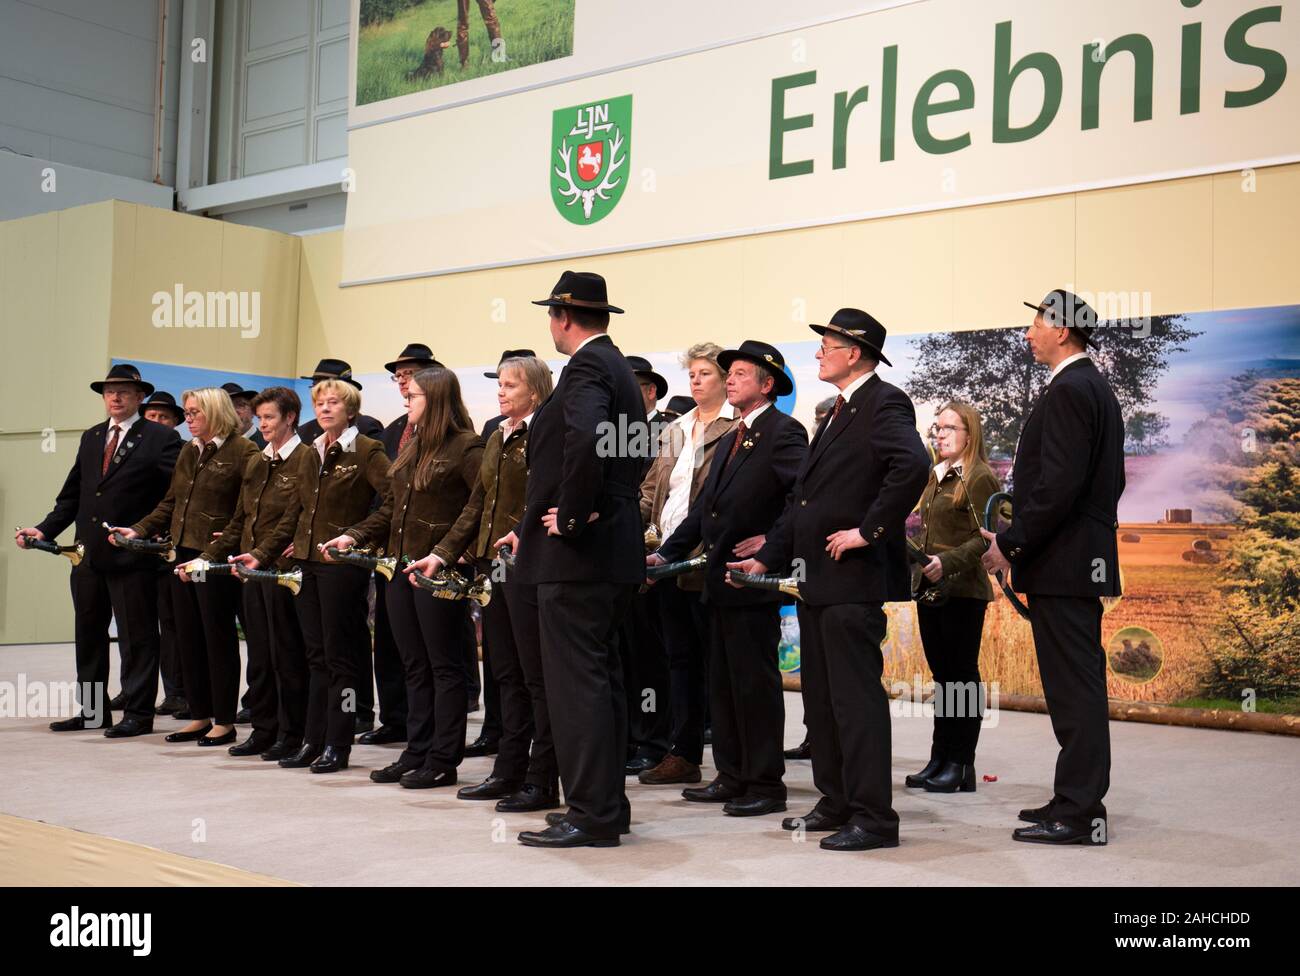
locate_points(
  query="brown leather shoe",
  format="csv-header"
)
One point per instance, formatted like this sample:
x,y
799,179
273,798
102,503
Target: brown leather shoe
x,y
673,769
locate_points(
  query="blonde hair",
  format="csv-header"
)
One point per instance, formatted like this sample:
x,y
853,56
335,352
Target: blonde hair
x,y
344,390
217,407
702,350
975,449
536,375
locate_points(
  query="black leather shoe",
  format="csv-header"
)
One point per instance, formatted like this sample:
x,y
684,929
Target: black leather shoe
x,y
492,788
391,773
753,806
950,779
481,747
127,728
254,745
708,735
917,780
307,754
281,748
118,701
471,706
382,736
529,798
802,751
558,817
219,740
1055,832
170,706
331,760
813,821
363,726
1037,814
243,717
638,765
564,834
75,724
188,736
851,837
715,792
427,779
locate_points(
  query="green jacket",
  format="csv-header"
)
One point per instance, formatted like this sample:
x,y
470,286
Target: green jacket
x,y
413,523
202,497
330,496
952,531
269,488
502,478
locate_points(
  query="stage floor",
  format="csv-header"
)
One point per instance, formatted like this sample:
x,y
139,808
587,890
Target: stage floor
x,y
1187,806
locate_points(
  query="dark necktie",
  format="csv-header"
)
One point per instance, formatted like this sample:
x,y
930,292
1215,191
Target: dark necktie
x,y
835,410
735,445
110,449
407,433
209,449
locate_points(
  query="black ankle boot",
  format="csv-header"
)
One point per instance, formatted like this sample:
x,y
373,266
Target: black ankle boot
x,y
332,760
307,754
950,779
917,780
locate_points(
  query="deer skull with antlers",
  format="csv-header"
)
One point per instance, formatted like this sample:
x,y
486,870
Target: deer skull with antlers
x,y
574,192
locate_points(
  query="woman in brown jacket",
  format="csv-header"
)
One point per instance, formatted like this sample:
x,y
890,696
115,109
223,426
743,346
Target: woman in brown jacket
x,y
518,782
336,481
201,500
427,513
674,480
952,508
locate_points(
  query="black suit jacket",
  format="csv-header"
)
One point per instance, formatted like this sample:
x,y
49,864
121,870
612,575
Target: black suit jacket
x,y
391,436
576,462
1066,483
137,480
491,425
865,472
368,426
741,499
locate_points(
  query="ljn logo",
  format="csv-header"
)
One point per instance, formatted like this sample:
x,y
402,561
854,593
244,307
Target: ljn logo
x,y
179,309
74,930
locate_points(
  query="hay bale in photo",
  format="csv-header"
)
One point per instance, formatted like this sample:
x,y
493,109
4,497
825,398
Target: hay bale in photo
x,y
1130,537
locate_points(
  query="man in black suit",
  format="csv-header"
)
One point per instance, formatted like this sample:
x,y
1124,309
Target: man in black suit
x,y
842,533
581,543
1061,550
121,472
745,491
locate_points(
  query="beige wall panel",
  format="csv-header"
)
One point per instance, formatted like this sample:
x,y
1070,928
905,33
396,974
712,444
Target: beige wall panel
x,y
1256,238
253,259
788,280
82,302
28,275
900,270
1155,238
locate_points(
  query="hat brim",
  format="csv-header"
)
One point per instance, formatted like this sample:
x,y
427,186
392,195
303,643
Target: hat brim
x,y
876,352
661,384
586,306
1088,340
784,385
176,411
423,363
345,379
98,385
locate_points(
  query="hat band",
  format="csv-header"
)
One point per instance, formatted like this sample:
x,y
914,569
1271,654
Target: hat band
x,y
568,299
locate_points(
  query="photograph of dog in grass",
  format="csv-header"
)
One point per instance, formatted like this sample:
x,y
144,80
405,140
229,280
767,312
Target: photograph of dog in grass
x,y
407,46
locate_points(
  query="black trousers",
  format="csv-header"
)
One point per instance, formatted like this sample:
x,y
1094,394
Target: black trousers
x,y
847,710
427,630
746,701
169,652
951,637
364,650
485,688
332,613
501,663
645,673
205,628
584,682
526,628
686,624
132,598
389,676
278,702
1072,664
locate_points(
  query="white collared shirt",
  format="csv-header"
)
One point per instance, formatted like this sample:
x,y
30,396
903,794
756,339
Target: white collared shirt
x,y
268,452
852,388
749,418
347,442
216,441
678,502
123,426
251,429
587,340
1066,362
941,469
507,428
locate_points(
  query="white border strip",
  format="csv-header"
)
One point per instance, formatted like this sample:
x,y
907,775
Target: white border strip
x,y
842,219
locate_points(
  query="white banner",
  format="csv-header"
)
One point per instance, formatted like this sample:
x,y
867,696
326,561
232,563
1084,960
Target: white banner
x,y
926,106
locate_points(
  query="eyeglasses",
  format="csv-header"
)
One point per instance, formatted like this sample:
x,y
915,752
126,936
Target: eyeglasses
x,y
829,347
936,429
402,374
191,414
411,396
